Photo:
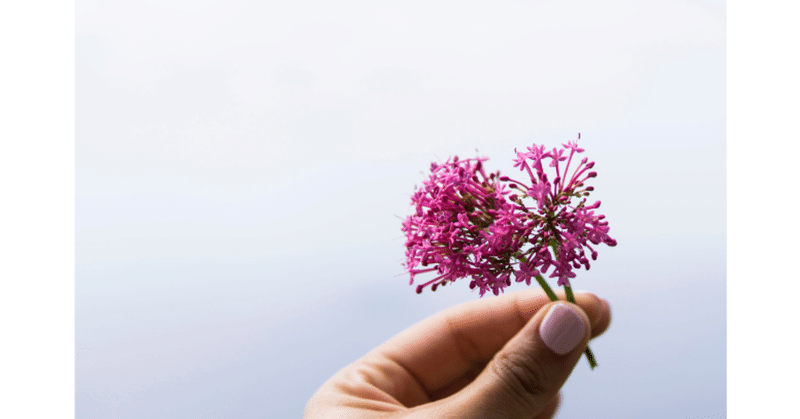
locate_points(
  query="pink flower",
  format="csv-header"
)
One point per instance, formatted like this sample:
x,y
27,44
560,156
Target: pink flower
x,y
525,273
464,225
467,224
560,229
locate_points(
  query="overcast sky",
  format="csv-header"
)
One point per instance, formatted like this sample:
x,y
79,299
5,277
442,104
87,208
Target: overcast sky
x,y
241,167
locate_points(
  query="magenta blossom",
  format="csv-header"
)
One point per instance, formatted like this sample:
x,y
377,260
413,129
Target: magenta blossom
x,y
561,231
463,226
468,224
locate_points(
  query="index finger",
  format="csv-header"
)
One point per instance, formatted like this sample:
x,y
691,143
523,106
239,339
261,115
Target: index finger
x,y
441,349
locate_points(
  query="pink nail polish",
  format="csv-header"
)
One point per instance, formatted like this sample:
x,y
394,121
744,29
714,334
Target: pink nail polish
x,y
562,329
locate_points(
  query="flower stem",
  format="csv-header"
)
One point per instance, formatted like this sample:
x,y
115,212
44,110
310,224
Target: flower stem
x,y
588,351
547,289
570,295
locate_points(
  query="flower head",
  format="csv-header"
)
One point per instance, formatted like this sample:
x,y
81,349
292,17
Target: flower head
x,y
468,224
463,226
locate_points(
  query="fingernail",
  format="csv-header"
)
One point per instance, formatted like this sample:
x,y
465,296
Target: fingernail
x,y
562,329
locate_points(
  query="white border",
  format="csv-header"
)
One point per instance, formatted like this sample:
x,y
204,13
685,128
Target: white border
x,y
37,142
763,110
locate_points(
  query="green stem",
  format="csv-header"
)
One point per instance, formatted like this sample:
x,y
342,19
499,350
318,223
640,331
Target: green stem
x,y
587,351
570,295
547,289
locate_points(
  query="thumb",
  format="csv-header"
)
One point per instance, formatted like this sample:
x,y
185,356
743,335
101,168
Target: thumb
x,y
530,369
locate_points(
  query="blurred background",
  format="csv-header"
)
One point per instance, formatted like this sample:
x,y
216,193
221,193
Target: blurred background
x,y
242,169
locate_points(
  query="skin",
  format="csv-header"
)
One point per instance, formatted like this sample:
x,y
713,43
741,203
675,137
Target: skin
x,y
481,359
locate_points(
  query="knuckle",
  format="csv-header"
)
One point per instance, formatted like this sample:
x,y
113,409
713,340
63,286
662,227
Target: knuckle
x,y
523,377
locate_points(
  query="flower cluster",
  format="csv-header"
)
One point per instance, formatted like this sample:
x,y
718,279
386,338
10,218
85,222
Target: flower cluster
x,y
463,225
490,227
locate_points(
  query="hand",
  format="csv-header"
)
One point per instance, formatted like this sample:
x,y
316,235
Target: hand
x,y
490,358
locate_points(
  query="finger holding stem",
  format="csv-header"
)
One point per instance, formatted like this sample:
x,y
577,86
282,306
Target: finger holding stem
x,y
571,299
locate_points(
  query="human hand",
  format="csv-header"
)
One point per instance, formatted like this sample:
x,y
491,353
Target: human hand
x,y
490,358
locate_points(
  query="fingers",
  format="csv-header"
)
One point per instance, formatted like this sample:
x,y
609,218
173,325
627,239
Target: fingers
x,y
527,373
446,351
550,410
605,319
599,313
